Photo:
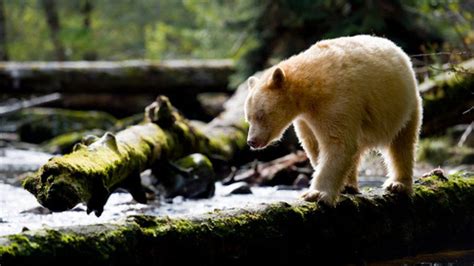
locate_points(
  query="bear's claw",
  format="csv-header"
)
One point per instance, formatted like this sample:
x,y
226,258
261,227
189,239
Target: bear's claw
x,y
397,187
313,195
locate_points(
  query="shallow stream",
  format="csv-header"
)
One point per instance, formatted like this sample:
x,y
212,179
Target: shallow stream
x,y
20,210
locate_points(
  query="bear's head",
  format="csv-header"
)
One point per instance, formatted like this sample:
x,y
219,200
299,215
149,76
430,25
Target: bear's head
x,y
269,108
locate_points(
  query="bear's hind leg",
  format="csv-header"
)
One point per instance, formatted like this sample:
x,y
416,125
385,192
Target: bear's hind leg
x,y
400,157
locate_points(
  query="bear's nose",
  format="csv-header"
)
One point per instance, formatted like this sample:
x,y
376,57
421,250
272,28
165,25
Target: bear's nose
x,y
252,143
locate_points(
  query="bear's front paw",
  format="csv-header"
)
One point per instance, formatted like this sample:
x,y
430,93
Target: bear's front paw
x,y
314,195
397,187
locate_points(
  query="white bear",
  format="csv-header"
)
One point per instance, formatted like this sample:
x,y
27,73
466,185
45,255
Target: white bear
x,y
343,96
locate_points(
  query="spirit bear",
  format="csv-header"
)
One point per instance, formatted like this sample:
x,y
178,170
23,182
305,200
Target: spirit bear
x,y
344,96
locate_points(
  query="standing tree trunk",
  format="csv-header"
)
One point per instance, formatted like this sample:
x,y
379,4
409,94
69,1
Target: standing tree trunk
x,y
3,34
86,10
52,18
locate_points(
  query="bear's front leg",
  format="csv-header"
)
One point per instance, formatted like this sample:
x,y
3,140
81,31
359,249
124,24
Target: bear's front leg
x,y
336,160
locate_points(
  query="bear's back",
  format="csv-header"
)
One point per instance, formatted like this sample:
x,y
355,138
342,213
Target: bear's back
x,y
365,75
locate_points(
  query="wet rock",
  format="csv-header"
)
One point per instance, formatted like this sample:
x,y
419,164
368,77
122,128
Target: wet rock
x,y
190,177
37,210
237,188
287,188
78,209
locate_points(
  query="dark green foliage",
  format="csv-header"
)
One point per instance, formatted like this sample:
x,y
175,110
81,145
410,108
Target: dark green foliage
x,y
285,27
449,100
255,31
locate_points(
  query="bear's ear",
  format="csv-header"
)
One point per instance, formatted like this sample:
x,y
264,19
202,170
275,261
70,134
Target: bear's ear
x,y
251,82
278,77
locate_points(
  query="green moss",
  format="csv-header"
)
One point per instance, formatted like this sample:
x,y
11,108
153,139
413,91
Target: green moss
x,y
93,172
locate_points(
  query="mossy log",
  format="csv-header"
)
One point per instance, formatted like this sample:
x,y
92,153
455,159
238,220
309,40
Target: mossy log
x,y
447,99
98,166
361,228
115,77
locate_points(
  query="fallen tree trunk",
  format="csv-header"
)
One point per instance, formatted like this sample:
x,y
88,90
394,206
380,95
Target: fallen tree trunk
x,y
191,76
96,168
360,229
23,104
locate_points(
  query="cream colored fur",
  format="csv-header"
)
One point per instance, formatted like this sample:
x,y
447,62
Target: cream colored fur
x,y
343,96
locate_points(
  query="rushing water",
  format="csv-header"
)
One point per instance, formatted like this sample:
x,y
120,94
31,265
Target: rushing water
x,y
20,209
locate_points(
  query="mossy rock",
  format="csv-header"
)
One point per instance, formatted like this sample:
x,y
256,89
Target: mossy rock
x,y
192,176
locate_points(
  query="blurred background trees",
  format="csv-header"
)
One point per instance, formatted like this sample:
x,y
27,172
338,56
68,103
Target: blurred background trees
x,y
254,33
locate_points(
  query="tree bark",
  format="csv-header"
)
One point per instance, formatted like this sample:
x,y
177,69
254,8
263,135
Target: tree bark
x,y
52,19
364,228
23,104
86,9
3,34
156,77
94,170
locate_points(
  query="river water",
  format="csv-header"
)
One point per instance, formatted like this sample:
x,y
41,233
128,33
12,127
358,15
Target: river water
x,y
19,209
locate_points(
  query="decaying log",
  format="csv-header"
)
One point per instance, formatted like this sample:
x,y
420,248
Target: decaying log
x,y
153,77
22,104
360,229
95,169
281,171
